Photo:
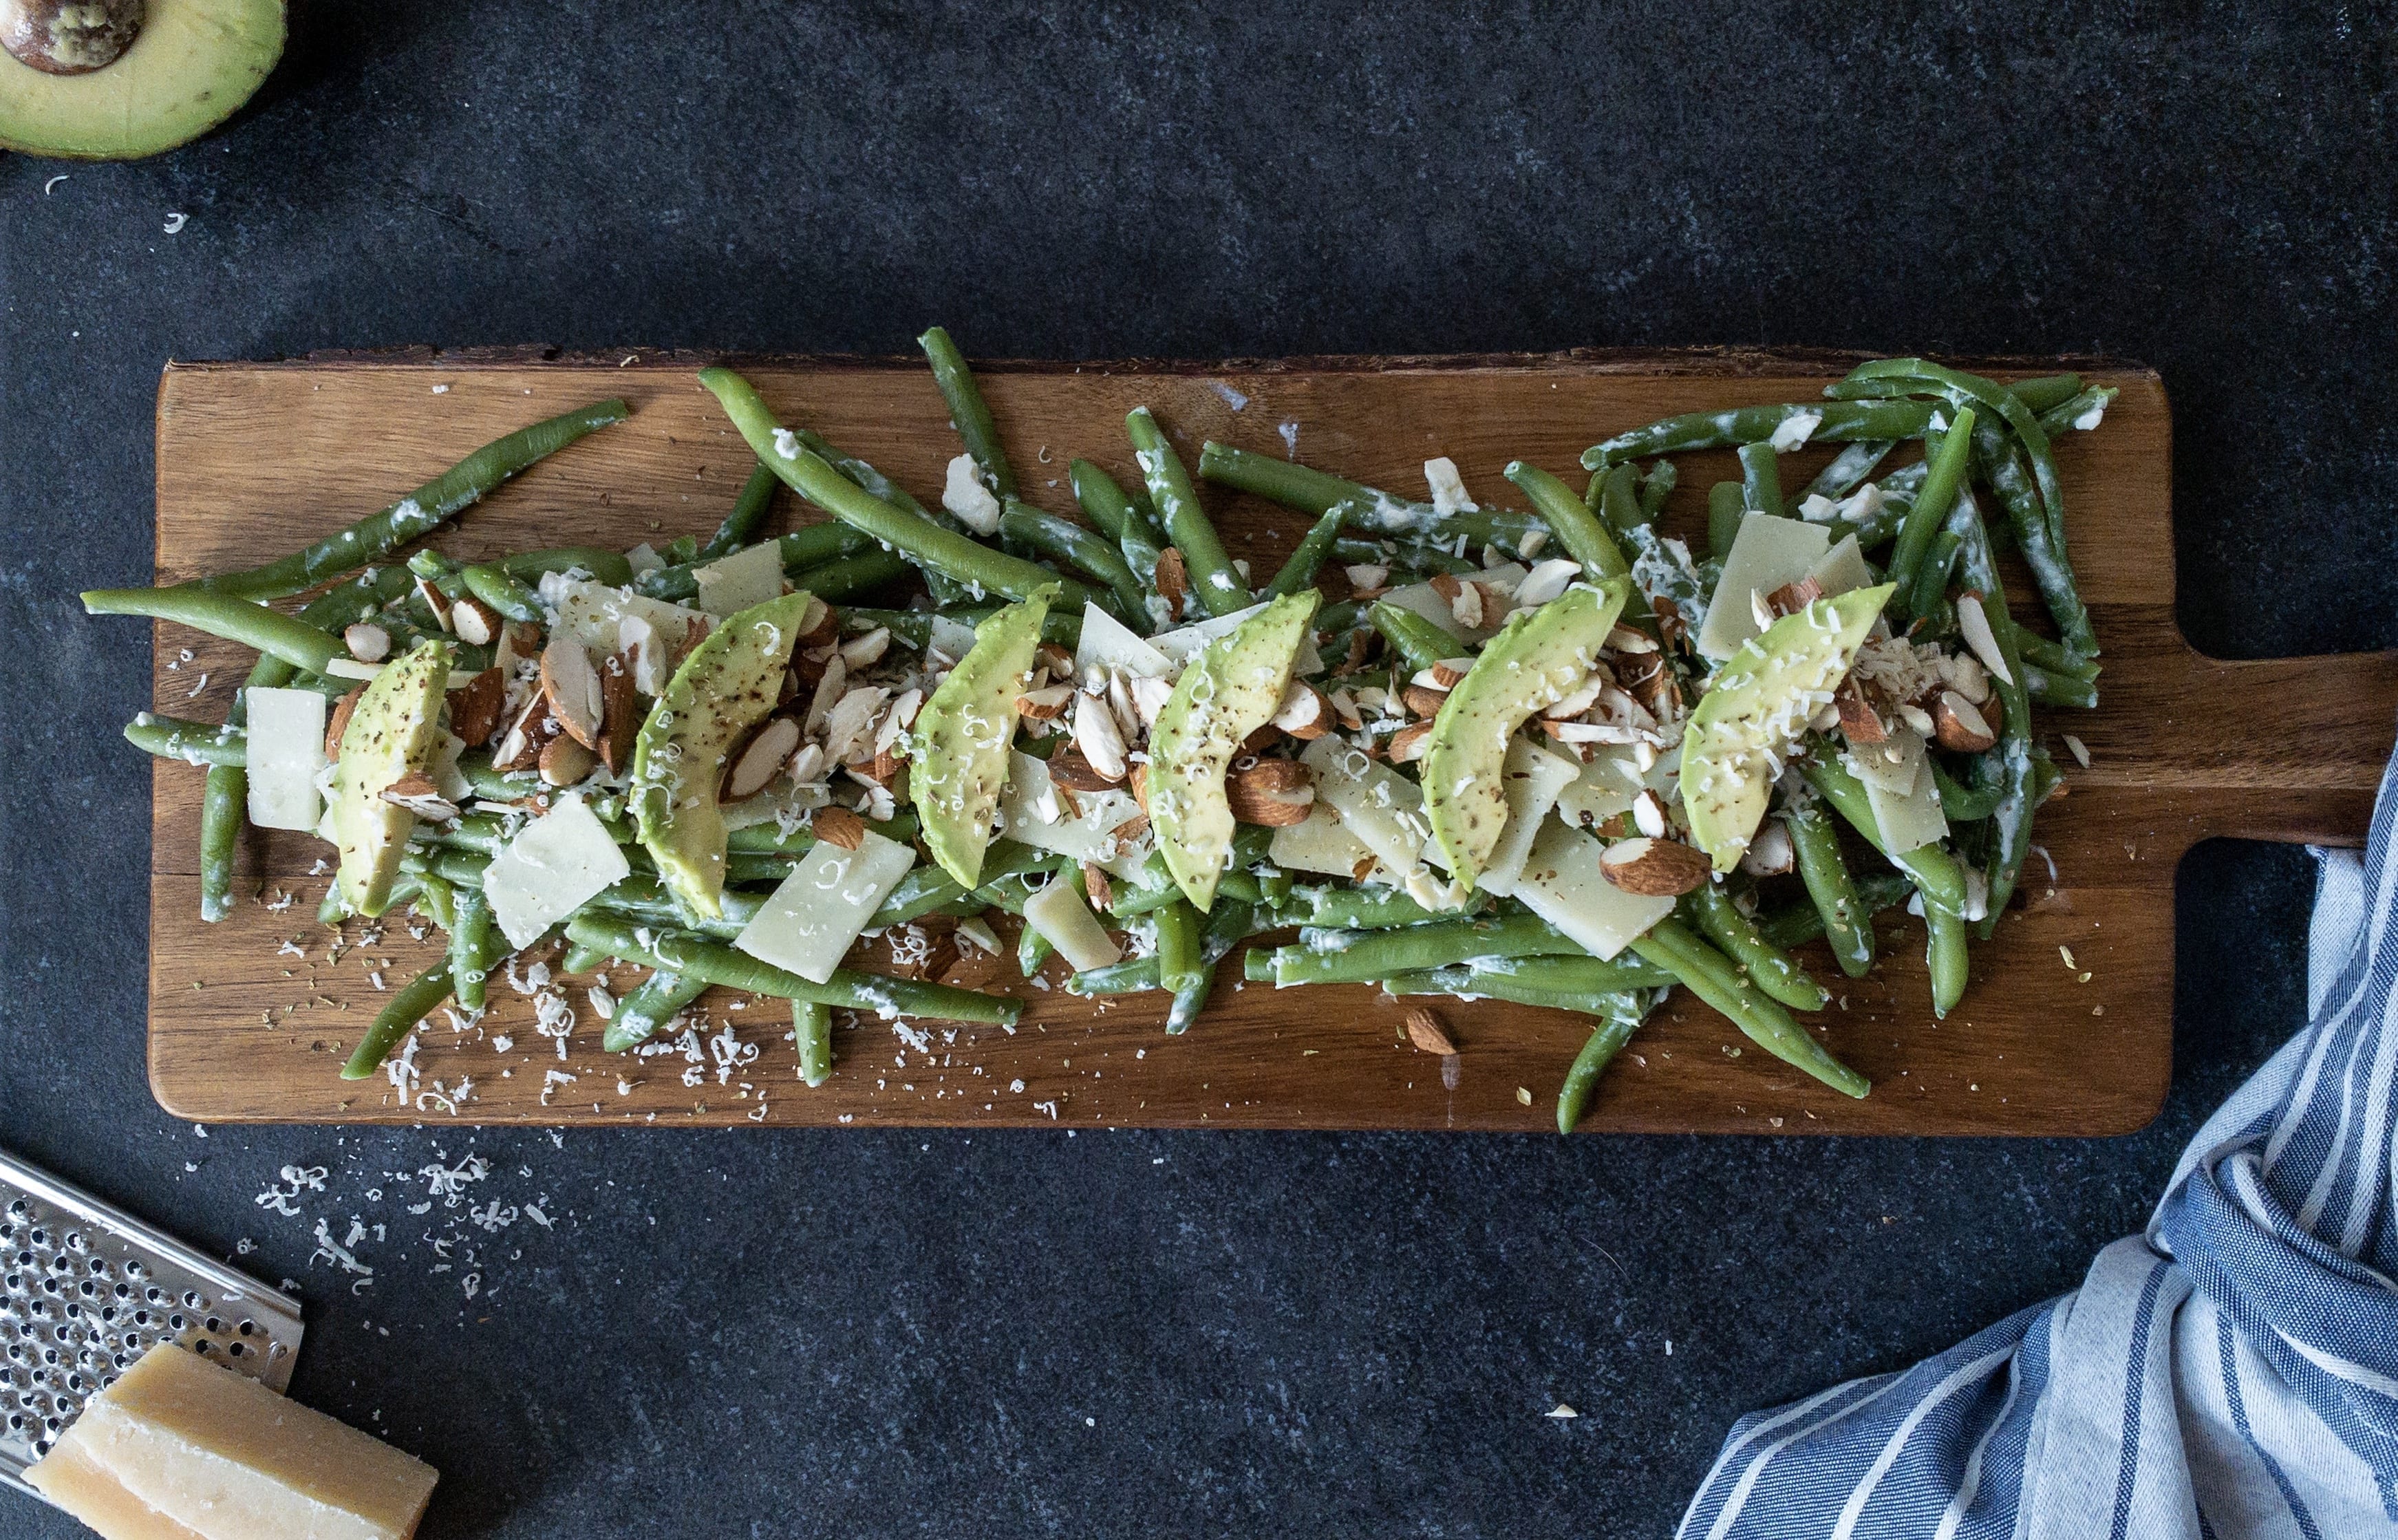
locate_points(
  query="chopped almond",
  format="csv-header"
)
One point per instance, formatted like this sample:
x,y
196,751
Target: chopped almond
x,y
1410,743
1069,769
620,713
1137,782
864,652
1263,739
1423,701
1447,586
1653,868
572,686
1645,678
475,621
520,748
565,761
475,710
1056,659
757,763
1130,831
1304,713
1857,718
1097,889
1959,726
421,797
366,641
1173,581
1359,642
819,625
438,603
1791,598
1272,792
1426,1032
1099,736
338,722
1046,703
1449,672
1363,870
839,826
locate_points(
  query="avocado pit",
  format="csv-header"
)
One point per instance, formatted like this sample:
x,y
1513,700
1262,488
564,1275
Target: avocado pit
x,y
70,36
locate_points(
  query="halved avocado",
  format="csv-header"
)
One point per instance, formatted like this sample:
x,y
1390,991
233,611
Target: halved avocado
x,y
1225,694
957,749
392,734
728,685
1755,709
72,86
1537,660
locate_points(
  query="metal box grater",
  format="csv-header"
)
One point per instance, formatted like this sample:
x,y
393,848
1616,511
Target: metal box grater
x,y
86,1290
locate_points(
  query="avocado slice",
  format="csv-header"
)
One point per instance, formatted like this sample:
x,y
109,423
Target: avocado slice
x,y
392,734
957,750
726,687
1756,708
72,85
1225,694
1536,660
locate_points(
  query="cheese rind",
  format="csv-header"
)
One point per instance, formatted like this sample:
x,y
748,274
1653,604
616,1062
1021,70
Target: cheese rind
x,y
181,1449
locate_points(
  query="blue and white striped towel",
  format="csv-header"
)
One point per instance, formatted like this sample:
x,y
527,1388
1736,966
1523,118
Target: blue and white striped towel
x,y
2232,1373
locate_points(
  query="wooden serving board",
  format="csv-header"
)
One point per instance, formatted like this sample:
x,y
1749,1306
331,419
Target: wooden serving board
x,y
255,459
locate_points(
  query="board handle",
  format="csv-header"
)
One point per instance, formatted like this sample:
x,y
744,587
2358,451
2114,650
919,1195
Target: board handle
x,y
2286,749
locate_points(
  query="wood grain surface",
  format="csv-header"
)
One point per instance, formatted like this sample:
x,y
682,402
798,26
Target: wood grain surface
x,y
249,1019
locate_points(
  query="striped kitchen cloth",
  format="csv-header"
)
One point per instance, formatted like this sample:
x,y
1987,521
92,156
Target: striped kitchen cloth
x,y
2230,1373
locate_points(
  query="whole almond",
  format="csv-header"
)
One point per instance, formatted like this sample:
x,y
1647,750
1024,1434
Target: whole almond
x,y
1271,793
565,761
1173,581
1425,701
475,710
1427,1032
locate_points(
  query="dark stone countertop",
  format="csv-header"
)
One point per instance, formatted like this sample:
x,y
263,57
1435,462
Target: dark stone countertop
x,y
861,1332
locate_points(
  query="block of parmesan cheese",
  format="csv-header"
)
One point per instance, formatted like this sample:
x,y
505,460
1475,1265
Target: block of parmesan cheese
x,y
181,1449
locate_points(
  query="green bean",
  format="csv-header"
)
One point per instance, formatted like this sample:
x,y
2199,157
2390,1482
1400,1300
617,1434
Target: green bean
x,y
2002,465
1412,637
422,510
1961,803
2053,656
1849,468
255,625
493,585
2059,690
1736,935
1065,541
1841,421
1847,925
1605,1042
606,567
224,795
1361,956
1761,479
968,413
192,742
1308,559
946,591
1932,503
1105,504
1796,924
817,546
657,1000
924,542
2082,414
1710,976
471,938
694,956
1358,908
1133,976
768,839
1574,973
409,1006
1921,376
844,576
812,1029
1944,958
1932,576
749,511
1233,884
1230,923
1933,870
436,900
1582,533
1213,578
1315,493
1176,928
1655,488
2011,819
1465,982
582,959
1727,504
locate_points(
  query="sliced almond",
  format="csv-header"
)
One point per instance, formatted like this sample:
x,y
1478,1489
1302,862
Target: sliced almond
x,y
1449,673
1131,831
1303,713
1148,697
1274,792
839,826
1137,782
421,797
475,621
1344,709
1917,718
1625,639
1648,813
757,762
520,747
830,687
1447,586
1858,722
849,726
864,652
565,761
1172,582
1547,581
620,714
1959,726
366,641
1367,576
337,721
1975,621
475,711
572,686
1410,743
1099,737
1582,697
1427,1032
1422,701
1360,641
886,770
1654,868
1046,703
1056,659
1069,769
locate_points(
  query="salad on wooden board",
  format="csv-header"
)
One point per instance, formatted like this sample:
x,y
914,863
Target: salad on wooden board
x,y
1551,755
